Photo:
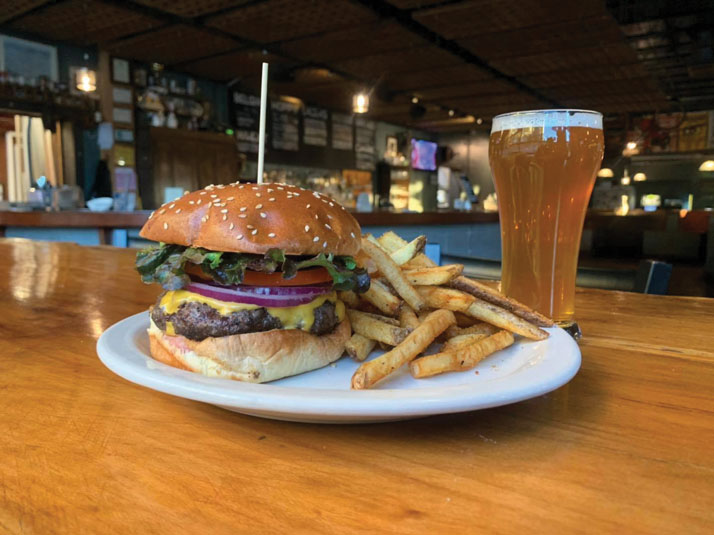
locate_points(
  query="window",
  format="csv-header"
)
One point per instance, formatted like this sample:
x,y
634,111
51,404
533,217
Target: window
x,y
27,58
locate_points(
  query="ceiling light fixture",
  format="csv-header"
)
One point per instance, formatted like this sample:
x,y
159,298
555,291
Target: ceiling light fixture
x,y
639,177
86,80
479,121
605,172
451,113
415,100
707,165
631,145
360,103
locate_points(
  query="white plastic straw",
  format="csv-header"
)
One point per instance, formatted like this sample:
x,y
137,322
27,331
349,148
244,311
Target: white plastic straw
x,y
261,129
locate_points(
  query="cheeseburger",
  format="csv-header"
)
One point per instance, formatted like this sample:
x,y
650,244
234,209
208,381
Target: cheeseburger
x,y
251,274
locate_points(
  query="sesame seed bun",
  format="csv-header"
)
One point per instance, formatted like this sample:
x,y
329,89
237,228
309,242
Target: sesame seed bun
x,y
251,218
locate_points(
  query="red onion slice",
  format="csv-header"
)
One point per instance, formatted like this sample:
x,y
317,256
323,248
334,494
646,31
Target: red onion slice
x,y
264,296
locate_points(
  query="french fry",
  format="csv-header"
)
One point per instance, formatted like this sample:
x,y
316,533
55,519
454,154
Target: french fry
x,y
456,300
404,254
499,317
462,340
490,295
380,296
448,298
463,359
407,318
434,276
366,262
391,242
393,274
462,320
349,298
374,329
359,347
418,340
480,327
385,319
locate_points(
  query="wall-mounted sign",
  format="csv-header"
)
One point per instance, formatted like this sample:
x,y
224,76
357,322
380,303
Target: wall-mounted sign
x,y
342,136
285,125
315,126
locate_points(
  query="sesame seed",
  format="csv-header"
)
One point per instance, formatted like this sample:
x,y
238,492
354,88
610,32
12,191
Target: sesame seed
x,y
253,187
296,194
166,226
162,211
186,192
308,206
270,190
210,203
281,189
151,215
324,244
242,216
172,205
352,234
316,216
231,226
323,200
331,204
202,193
204,219
251,227
258,206
220,186
329,216
316,239
225,216
272,199
241,187
213,195
230,198
240,236
271,235
224,211
262,214
178,210
243,208
191,202
254,232
328,226
307,228
257,194
198,201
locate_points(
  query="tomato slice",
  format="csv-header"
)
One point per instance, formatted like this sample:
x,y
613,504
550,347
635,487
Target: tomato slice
x,y
304,277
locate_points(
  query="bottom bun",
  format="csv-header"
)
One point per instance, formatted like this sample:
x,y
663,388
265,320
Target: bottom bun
x,y
252,357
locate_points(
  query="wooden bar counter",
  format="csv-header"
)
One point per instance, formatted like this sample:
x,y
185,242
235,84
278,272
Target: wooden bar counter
x,y
625,447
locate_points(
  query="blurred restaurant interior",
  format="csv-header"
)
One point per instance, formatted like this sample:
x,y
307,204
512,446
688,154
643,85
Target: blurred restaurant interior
x,y
109,108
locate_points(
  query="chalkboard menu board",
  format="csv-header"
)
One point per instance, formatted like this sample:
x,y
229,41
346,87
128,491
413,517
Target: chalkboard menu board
x,y
285,125
245,110
342,137
314,124
365,153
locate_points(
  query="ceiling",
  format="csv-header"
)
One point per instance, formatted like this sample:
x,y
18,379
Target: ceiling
x,y
475,57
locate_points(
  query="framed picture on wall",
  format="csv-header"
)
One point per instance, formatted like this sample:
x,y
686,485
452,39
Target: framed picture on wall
x,y
120,71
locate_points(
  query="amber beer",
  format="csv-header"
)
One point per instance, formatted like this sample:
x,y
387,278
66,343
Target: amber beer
x,y
544,164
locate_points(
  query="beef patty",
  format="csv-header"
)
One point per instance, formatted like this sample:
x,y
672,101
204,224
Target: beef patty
x,y
197,321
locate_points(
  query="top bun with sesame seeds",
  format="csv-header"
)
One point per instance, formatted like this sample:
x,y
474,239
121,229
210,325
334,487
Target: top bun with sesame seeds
x,y
254,218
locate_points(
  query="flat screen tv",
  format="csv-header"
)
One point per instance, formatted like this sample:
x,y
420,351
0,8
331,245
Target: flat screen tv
x,y
424,155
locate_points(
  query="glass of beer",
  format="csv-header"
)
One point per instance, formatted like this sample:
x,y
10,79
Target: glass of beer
x,y
544,164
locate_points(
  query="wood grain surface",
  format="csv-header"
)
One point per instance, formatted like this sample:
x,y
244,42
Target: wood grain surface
x,y
625,447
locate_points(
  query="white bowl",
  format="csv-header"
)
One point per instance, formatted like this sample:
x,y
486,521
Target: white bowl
x,y
100,204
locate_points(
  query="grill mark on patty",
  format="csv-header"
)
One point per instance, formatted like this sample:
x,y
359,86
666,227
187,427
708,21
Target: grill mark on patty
x,y
197,321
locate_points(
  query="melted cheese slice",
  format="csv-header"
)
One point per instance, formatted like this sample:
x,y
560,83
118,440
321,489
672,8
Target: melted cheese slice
x,y
297,317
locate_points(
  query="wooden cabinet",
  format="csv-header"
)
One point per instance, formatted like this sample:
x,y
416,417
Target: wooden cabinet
x,y
189,160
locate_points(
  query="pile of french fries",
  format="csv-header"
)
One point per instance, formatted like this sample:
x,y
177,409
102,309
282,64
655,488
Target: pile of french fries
x,y
413,303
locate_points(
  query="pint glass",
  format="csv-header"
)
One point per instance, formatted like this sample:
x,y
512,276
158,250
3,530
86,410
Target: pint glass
x,y
544,164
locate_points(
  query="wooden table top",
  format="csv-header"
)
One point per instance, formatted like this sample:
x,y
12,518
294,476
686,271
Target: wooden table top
x,y
625,447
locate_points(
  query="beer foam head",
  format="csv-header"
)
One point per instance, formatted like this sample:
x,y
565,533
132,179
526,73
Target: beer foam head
x,y
547,118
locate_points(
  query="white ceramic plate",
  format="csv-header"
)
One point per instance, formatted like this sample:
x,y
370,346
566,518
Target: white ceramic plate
x,y
525,370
